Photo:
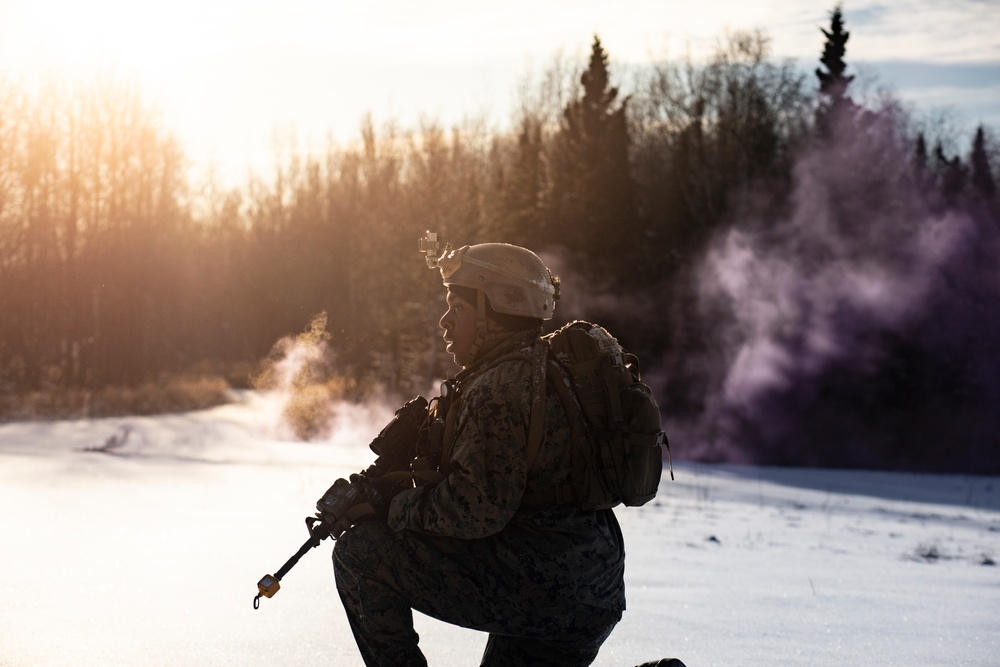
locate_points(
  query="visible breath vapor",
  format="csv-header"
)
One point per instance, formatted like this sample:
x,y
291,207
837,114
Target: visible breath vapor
x,y
298,373
858,330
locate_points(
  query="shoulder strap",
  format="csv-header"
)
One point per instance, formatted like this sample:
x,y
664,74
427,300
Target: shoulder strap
x,y
536,420
536,423
562,493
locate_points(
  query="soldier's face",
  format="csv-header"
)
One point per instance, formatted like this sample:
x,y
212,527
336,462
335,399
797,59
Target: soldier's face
x,y
459,324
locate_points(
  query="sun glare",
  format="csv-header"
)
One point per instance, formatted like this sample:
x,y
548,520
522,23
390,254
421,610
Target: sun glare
x,y
227,75
192,59
73,40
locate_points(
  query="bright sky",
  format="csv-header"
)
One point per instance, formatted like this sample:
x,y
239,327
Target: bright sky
x,y
229,75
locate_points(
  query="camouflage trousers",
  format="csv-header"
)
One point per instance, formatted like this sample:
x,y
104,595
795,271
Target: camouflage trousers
x,y
382,576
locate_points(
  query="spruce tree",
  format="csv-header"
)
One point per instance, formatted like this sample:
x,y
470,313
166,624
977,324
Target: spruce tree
x,y
982,176
920,156
923,176
952,175
521,187
833,81
591,204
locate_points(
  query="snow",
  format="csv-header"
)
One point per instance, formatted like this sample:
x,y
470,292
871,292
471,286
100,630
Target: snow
x,y
150,555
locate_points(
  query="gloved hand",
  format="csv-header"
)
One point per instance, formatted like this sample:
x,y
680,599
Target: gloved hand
x,y
375,491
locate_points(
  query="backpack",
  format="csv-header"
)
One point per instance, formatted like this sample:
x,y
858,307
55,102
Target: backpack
x,y
616,454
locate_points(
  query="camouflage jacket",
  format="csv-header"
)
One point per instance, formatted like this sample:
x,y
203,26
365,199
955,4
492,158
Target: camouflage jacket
x,y
561,550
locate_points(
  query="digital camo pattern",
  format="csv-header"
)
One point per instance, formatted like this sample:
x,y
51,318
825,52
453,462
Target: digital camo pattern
x,y
382,575
546,582
564,549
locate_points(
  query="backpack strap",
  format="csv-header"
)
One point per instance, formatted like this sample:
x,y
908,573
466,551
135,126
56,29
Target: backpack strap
x,y
536,420
559,494
536,423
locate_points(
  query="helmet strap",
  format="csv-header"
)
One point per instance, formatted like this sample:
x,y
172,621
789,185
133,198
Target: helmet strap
x,y
483,333
481,329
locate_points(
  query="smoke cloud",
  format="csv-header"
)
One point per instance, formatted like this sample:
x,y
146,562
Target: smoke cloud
x,y
860,329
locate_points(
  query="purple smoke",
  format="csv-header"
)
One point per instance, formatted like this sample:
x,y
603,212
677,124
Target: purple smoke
x,y
859,329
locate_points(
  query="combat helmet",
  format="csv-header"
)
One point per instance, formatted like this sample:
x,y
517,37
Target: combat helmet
x,y
514,279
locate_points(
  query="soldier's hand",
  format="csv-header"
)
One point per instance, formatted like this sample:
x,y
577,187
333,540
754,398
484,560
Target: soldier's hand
x,y
374,491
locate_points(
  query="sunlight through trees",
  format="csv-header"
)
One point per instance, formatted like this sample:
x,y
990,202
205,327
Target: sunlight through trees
x,y
115,269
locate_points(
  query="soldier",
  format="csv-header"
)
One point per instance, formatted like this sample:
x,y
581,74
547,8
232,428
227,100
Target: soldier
x,y
544,579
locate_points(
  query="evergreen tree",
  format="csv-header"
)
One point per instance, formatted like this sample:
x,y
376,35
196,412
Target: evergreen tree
x,y
920,157
833,81
982,176
591,204
952,175
521,188
923,176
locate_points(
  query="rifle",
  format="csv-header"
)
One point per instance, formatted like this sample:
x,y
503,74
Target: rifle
x,y
396,446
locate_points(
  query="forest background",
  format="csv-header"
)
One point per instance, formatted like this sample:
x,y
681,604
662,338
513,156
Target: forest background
x,y
807,269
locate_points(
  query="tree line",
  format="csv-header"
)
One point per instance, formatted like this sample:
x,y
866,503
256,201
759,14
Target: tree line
x,y
116,269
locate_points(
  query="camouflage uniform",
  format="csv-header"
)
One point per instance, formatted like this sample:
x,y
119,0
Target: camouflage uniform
x,y
545,582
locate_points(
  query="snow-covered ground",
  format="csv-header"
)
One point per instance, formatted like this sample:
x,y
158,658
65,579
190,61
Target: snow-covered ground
x,y
151,555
